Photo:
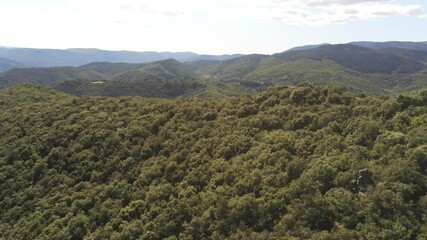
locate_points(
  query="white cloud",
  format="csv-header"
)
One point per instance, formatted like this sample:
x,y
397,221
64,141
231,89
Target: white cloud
x,y
323,12
317,3
296,12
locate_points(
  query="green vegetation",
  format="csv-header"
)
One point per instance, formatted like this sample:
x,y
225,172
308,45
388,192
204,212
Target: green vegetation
x,y
168,69
45,76
279,164
151,87
361,59
369,70
360,69
416,46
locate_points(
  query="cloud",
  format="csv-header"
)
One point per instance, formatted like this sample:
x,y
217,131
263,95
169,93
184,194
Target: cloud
x,y
324,12
172,14
295,12
319,3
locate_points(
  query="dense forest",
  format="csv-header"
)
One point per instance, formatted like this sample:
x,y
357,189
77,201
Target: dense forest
x,y
303,162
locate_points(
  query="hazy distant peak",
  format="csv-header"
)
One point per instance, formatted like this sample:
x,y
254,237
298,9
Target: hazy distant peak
x,y
307,47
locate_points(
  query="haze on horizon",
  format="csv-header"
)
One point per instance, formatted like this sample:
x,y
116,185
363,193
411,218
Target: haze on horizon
x,y
207,27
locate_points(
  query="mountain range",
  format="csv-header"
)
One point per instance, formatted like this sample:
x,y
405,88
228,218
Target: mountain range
x,y
368,67
29,57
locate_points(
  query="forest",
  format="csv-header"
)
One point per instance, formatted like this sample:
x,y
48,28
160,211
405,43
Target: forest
x,y
392,69
289,162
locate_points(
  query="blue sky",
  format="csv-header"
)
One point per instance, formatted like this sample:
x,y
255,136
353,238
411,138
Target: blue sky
x,y
207,26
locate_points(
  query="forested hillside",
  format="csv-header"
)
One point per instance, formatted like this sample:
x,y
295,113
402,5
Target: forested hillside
x,y
369,70
360,69
298,162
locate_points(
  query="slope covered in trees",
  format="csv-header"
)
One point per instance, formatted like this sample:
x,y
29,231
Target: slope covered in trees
x,y
417,46
45,76
168,78
51,77
361,59
147,87
280,164
360,69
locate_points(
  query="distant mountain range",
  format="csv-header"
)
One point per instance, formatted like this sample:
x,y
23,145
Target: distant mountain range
x,y
29,57
419,46
307,47
369,67
6,64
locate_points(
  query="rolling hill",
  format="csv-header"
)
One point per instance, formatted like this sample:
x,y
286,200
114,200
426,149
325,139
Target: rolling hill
x,y
75,57
417,46
357,58
6,64
360,69
306,47
166,69
46,76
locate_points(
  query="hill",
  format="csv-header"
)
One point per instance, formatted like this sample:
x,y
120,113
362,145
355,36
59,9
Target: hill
x,y
166,79
76,57
110,69
287,163
307,47
46,76
167,69
357,58
360,69
373,71
148,87
196,66
6,64
417,46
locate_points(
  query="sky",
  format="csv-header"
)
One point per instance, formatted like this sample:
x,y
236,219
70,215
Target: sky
x,y
207,26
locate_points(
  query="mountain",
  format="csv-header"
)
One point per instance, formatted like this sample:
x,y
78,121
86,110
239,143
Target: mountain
x,y
76,57
357,58
6,64
360,69
307,47
166,79
300,162
167,69
158,88
418,46
236,68
110,69
201,64
375,71
46,76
